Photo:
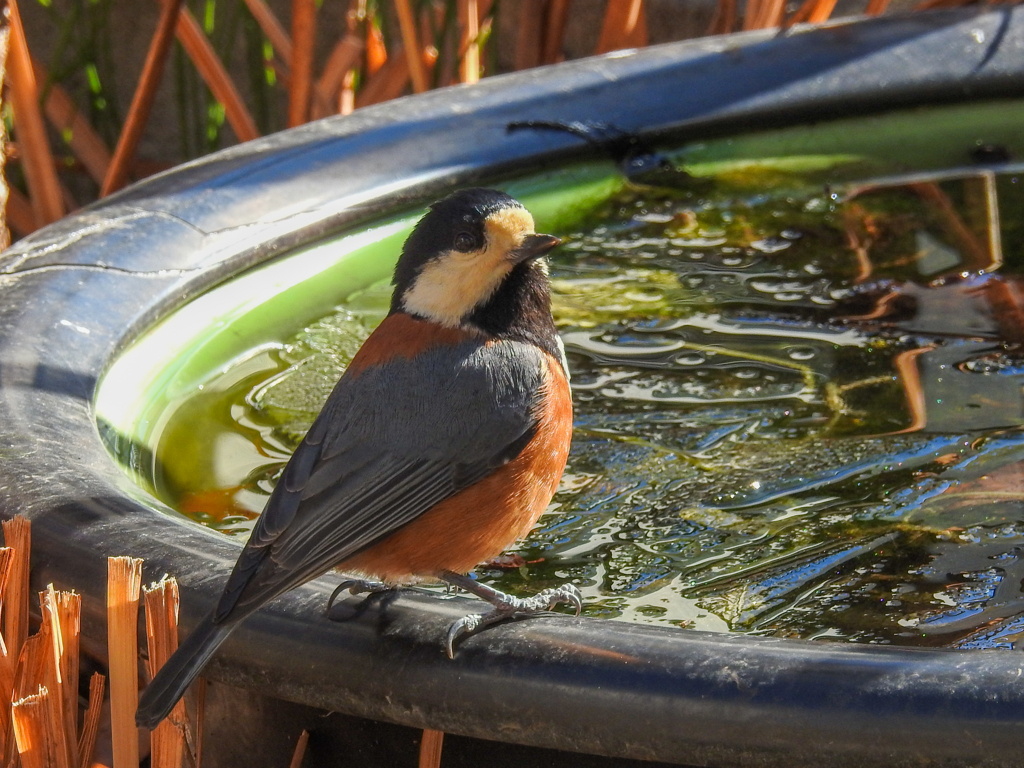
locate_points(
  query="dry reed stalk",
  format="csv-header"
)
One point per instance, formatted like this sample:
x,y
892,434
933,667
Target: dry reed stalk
x,y
347,97
61,611
91,720
554,30
764,14
17,536
388,83
198,47
6,662
300,750
31,670
142,101
625,26
876,7
469,20
124,579
344,57
407,24
7,559
376,53
724,20
812,12
33,725
530,34
272,29
300,87
168,739
20,217
32,662
928,5
430,748
40,169
63,115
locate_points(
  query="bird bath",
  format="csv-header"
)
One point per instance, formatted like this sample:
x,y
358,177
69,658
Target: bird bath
x,y
88,299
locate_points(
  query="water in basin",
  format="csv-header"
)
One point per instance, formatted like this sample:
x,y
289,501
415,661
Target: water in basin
x,y
798,396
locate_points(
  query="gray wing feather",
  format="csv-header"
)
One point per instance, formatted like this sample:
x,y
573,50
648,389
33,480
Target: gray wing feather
x,y
389,444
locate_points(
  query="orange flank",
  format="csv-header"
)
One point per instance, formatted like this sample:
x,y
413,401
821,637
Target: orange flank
x,y
476,524
402,335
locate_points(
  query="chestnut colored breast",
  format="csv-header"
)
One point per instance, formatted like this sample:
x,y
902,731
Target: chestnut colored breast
x,y
480,521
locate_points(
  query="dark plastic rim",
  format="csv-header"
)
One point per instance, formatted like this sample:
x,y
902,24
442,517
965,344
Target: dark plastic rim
x,y
74,294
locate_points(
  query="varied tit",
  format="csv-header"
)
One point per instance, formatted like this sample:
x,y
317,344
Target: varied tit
x,y
442,443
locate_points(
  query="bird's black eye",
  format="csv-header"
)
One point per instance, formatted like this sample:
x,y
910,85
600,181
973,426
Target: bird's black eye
x,y
465,242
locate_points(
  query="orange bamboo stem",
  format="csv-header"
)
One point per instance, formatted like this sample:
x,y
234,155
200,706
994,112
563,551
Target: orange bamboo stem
x,y
273,30
469,11
376,53
17,536
764,14
31,672
61,678
215,76
430,748
167,740
813,12
91,720
6,661
391,79
300,750
407,23
625,26
19,214
530,34
142,101
343,58
33,724
347,97
124,579
822,11
724,20
303,38
876,7
40,170
554,31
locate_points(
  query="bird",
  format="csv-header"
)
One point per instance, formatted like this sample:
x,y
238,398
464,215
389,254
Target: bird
x,y
442,443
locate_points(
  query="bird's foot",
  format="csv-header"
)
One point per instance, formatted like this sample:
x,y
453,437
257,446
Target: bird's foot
x,y
505,606
357,587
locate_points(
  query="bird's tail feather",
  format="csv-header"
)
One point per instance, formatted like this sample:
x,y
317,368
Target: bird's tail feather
x,y
185,664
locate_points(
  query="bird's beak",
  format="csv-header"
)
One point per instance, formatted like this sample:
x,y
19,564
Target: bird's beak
x,y
534,246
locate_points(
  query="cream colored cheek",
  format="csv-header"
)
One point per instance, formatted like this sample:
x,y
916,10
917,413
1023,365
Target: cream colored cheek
x,y
448,290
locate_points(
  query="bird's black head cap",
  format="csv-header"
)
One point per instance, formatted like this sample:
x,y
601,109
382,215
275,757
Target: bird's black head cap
x,y
455,222
474,261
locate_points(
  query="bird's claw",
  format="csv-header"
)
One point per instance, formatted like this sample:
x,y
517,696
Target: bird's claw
x,y
357,587
513,608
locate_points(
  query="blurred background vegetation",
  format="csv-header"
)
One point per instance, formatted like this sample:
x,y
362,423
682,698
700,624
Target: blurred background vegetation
x,y
231,70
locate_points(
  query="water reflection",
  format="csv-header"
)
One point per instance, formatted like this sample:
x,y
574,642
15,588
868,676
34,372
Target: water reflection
x,y
799,410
